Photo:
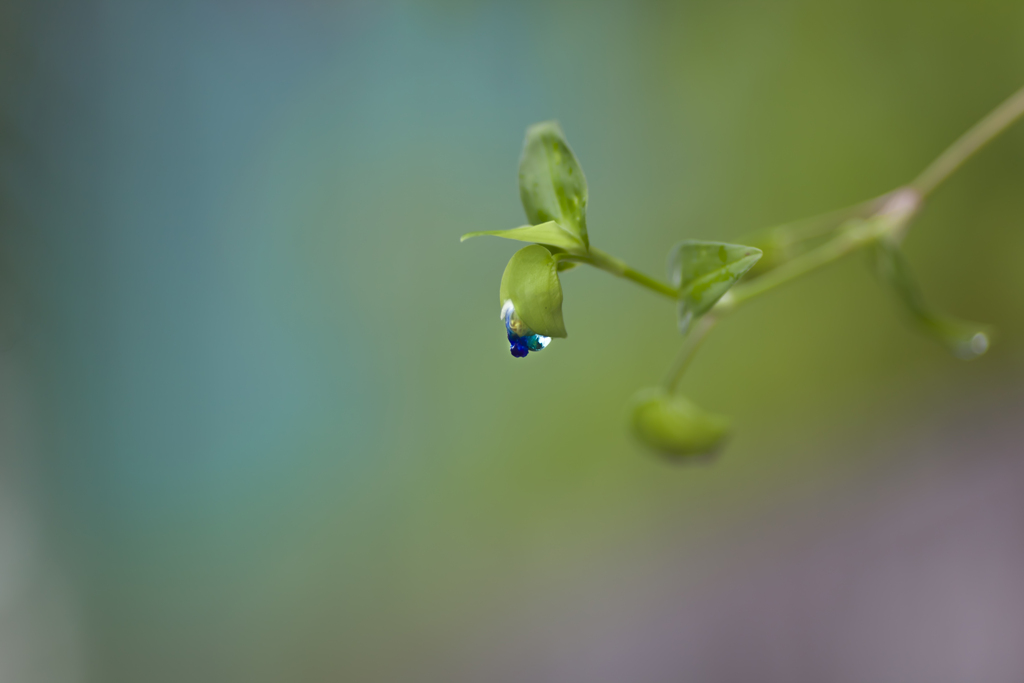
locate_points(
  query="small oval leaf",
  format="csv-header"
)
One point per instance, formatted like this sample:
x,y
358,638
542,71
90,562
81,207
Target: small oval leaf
x,y
550,233
673,425
531,282
704,271
551,181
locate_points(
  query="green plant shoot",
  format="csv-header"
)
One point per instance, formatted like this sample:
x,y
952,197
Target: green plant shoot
x,y
709,280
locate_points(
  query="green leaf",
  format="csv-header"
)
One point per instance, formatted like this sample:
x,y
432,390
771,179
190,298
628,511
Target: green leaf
x,y
673,425
551,182
550,233
531,282
963,338
704,271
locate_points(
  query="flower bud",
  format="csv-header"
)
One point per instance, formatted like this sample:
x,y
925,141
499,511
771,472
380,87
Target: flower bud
x,y
672,425
531,284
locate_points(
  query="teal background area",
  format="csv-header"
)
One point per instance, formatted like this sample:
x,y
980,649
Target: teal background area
x,y
258,418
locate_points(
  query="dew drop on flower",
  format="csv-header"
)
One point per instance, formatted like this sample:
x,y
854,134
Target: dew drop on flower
x,y
521,338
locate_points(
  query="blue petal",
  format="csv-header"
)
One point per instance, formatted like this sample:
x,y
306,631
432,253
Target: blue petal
x,y
521,339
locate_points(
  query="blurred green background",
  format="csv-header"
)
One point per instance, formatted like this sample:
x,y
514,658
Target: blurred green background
x,y
258,417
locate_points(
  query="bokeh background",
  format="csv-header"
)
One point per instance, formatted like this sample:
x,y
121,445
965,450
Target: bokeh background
x,y
258,420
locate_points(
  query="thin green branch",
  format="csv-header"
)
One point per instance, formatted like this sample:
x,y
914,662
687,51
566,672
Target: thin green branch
x,y
858,226
650,283
889,221
818,225
689,349
610,264
998,120
791,270
854,228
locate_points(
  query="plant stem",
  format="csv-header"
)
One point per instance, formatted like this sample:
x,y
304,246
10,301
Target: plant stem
x,y
889,219
650,283
688,351
998,120
610,264
819,225
888,222
800,265
858,235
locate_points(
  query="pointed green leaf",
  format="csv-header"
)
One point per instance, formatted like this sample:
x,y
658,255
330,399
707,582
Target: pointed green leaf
x,y
963,338
531,282
673,425
551,182
550,233
704,271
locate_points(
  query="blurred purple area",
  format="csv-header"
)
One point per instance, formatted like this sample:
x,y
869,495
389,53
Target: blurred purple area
x,y
915,577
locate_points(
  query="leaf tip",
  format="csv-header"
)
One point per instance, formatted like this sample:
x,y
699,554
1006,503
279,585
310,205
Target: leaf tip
x,y
971,346
541,127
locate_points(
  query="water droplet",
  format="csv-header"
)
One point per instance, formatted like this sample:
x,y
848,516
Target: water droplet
x,y
521,339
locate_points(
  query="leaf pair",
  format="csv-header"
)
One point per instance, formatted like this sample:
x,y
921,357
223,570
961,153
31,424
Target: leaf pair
x,y
553,190
963,338
703,272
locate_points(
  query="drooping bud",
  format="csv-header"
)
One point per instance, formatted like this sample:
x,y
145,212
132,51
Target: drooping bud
x,y
673,425
531,283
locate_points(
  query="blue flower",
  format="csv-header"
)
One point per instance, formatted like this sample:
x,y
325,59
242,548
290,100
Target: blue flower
x,y
521,338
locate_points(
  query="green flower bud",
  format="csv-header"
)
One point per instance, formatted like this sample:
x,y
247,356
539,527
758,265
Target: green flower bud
x,y
531,283
674,426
